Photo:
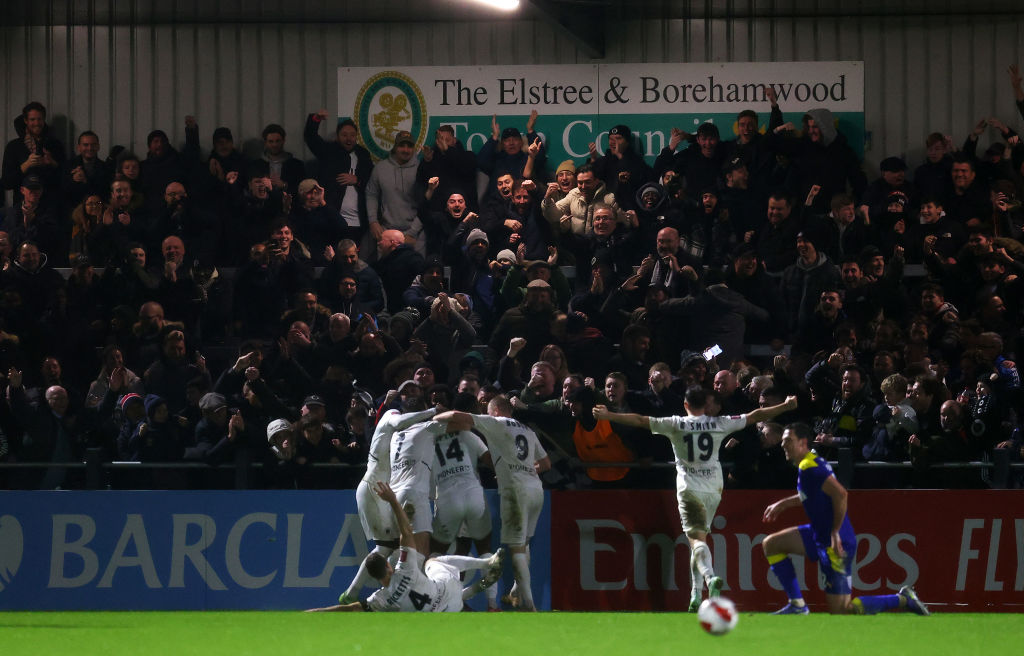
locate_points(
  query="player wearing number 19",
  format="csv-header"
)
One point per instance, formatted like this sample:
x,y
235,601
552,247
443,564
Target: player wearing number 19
x,y
696,439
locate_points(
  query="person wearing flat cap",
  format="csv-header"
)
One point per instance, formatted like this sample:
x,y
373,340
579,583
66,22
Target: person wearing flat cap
x,y
893,179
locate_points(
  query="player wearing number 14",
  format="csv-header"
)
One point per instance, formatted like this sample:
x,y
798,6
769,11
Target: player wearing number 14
x,y
695,440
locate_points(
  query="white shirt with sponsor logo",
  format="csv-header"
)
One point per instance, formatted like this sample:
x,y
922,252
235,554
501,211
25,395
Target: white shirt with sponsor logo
x,y
514,449
412,457
378,462
455,458
695,442
410,589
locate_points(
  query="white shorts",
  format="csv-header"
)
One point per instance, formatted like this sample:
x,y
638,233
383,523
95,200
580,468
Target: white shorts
x,y
421,517
448,576
697,509
375,514
462,506
520,509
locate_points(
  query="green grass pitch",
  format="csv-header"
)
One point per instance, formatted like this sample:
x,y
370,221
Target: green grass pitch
x,y
260,632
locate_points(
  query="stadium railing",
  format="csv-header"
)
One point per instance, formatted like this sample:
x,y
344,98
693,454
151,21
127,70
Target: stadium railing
x,y
96,469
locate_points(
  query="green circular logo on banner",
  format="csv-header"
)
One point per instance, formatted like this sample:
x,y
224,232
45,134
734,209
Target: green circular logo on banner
x,y
388,103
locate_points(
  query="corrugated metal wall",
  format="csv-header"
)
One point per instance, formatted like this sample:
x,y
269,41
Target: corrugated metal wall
x,y
923,73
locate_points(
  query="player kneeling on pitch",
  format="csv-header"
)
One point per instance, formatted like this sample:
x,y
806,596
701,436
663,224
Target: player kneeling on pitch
x,y
828,539
413,585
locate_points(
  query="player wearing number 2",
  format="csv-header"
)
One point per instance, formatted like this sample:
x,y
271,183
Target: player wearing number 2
x,y
696,439
378,522
518,460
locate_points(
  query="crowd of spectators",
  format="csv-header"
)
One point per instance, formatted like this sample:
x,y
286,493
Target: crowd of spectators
x,y
182,307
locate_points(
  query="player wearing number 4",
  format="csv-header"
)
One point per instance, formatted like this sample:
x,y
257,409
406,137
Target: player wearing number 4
x,y
518,460
828,539
696,439
413,585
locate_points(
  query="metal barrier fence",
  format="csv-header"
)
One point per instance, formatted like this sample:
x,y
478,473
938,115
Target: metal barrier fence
x,y
998,470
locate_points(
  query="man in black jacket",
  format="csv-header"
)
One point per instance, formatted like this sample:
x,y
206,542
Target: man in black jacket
x,y
35,152
397,264
622,169
86,173
344,170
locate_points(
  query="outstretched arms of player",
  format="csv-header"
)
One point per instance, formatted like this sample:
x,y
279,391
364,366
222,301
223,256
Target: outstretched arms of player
x,y
769,413
385,492
414,418
455,420
624,418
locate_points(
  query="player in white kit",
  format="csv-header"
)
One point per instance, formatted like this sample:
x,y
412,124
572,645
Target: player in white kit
x,y
696,439
518,460
412,461
459,502
374,514
415,584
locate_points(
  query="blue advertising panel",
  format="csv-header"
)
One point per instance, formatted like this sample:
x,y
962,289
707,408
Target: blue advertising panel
x,y
150,550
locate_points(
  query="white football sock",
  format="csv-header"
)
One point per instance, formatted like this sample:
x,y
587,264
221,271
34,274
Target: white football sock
x,y
363,578
702,555
521,564
696,580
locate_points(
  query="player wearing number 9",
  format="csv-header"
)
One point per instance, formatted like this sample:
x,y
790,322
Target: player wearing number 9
x,y
695,440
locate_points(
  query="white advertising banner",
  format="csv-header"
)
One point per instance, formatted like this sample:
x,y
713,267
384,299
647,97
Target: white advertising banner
x,y
577,104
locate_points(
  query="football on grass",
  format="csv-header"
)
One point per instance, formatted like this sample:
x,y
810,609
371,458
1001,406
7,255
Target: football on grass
x,y
718,615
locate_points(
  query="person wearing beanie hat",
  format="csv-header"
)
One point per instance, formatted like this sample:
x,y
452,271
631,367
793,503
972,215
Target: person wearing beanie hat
x,y
565,182
804,281
426,286
127,399
567,166
505,153
699,164
133,412
506,257
159,438
281,439
164,165
475,235
622,169
225,158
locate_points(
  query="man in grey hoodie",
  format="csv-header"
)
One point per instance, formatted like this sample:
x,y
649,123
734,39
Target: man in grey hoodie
x,y
391,197
822,157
